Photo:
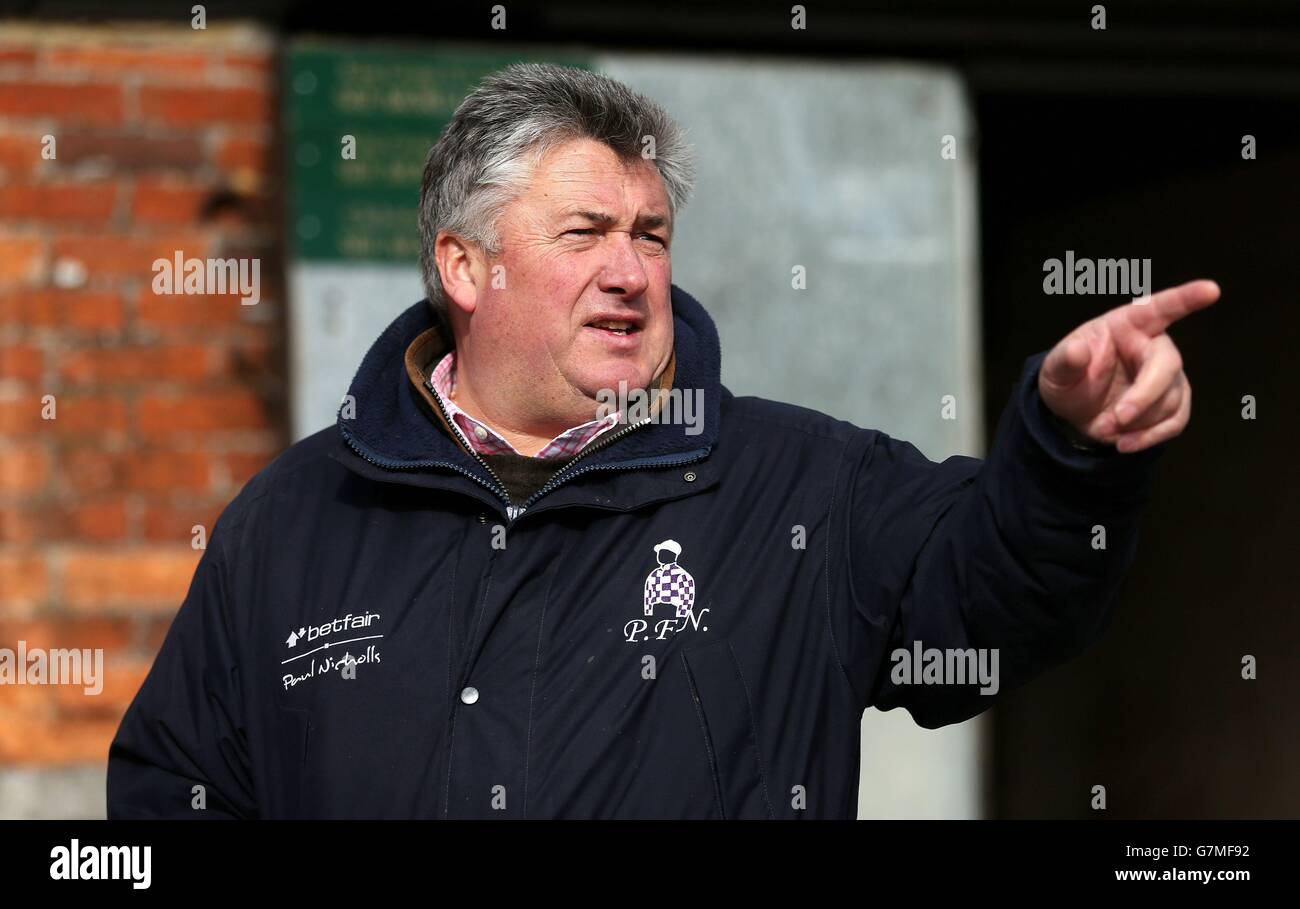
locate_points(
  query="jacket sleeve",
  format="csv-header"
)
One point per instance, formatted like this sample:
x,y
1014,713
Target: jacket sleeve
x,y
1003,556
185,726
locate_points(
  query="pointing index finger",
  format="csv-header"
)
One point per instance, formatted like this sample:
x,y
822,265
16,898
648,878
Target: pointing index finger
x,y
1157,312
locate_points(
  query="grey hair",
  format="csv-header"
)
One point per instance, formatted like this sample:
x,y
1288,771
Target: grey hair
x,y
502,130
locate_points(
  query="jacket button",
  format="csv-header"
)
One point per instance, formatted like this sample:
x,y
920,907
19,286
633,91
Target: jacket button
x,y
469,695
482,518
689,477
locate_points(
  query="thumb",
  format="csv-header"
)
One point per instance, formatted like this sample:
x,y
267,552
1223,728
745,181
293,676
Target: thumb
x,y
1067,362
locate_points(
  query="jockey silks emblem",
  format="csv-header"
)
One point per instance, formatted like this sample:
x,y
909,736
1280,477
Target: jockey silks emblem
x,y
668,585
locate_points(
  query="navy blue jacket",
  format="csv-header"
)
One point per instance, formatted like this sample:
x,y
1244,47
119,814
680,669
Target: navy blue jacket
x,y
369,633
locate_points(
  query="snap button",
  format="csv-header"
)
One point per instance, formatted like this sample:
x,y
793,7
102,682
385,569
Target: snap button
x,y
480,432
469,695
689,476
482,518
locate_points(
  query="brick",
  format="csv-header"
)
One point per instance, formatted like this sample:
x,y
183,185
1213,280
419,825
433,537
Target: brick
x,y
121,680
22,259
114,257
80,102
237,154
168,201
71,631
150,61
20,415
22,363
100,416
136,363
24,582
129,150
206,312
25,734
66,310
259,64
156,632
164,414
247,206
90,311
168,523
90,203
20,526
51,742
23,470
201,106
32,524
86,470
17,56
83,415
103,520
20,153
152,577
242,466
246,359
163,471
17,309
27,700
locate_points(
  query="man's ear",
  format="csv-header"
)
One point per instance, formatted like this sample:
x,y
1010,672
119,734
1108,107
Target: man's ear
x,y
461,268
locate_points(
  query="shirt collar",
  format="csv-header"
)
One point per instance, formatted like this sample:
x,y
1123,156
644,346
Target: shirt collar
x,y
487,441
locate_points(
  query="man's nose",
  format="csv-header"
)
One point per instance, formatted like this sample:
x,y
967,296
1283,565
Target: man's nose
x,y
623,272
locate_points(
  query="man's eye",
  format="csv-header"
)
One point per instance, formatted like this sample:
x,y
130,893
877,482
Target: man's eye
x,y
591,230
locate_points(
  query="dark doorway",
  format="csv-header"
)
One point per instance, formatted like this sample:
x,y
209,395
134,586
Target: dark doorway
x,y
1158,711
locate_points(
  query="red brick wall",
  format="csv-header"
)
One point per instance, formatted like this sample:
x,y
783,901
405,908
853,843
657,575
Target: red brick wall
x,y
165,405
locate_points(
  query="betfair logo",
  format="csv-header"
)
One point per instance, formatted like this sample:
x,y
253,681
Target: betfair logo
x,y
348,622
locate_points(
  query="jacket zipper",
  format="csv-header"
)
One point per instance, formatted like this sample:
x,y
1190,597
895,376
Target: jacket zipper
x,y
513,512
555,478
501,491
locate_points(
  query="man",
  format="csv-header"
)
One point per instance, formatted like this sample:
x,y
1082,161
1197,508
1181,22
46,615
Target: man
x,y
485,593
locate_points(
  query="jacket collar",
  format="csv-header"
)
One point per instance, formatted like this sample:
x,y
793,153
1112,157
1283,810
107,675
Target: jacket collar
x,y
391,428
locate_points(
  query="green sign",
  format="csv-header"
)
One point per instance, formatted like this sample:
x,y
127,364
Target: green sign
x,y
360,202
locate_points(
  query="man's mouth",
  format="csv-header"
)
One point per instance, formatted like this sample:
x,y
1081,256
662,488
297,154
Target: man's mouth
x,y
618,328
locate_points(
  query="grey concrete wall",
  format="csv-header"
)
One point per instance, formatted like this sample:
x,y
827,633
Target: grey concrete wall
x,y
53,793
336,312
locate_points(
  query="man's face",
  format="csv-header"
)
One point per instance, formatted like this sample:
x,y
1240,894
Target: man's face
x,y
584,246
